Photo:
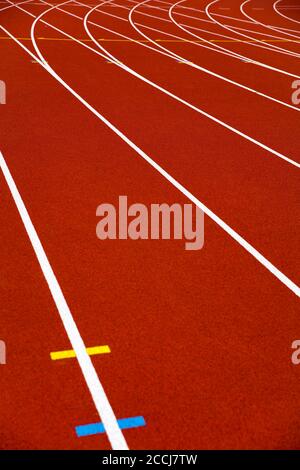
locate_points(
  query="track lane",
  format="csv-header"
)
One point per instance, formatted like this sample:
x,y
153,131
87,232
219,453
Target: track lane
x,y
165,20
294,17
233,328
164,50
280,39
241,48
247,137
80,254
213,136
285,34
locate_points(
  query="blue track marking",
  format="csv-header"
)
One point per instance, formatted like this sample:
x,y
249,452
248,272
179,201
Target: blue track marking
x,y
98,428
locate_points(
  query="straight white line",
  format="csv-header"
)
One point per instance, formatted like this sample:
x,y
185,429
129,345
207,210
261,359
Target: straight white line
x,y
232,233
99,397
11,6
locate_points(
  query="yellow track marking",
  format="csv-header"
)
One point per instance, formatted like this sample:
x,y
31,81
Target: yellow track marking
x,y
71,353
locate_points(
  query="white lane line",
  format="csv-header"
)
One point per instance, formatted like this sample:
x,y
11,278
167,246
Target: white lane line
x,y
268,26
188,26
262,45
238,56
255,253
196,66
170,54
197,10
205,46
217,14
131,39
213,23
11,6
231,232
107,55
281,14
92,380
209,45
186,103
273,28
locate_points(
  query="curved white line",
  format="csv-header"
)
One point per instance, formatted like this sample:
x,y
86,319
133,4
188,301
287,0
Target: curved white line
x,y
273,28
179,25
241,57
233,27
240,240
126,37
215,14
168,21
193,9
144,3
239,20
211,46
281,14
181,100
196,66
199,19
262,45
169,54
107,54
255,253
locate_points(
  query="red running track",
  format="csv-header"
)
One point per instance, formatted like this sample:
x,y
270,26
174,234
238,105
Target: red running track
x,y
200,341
